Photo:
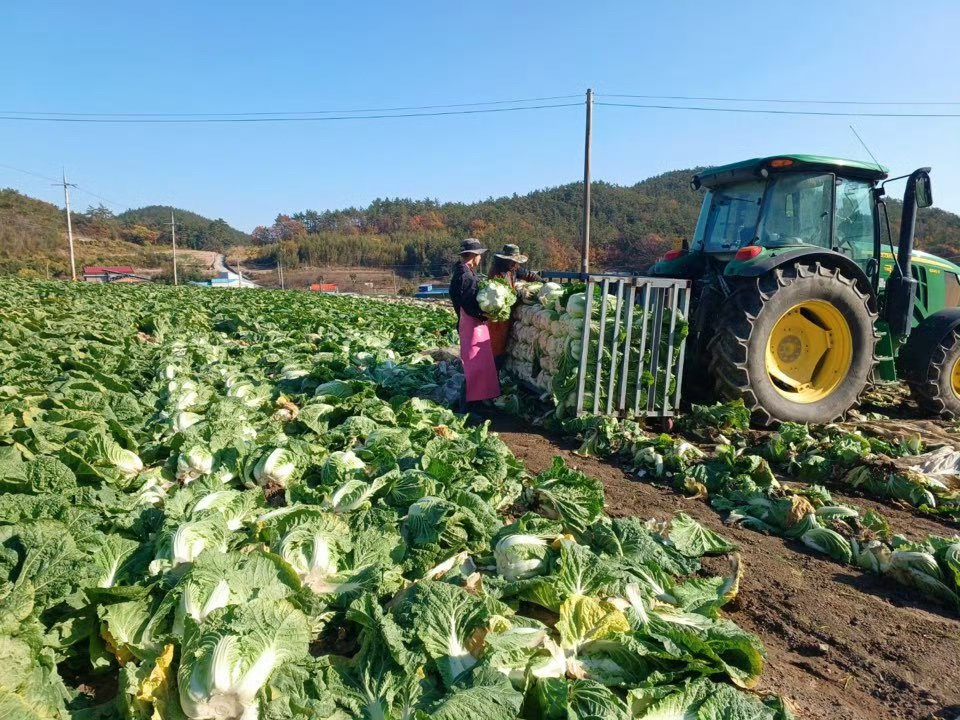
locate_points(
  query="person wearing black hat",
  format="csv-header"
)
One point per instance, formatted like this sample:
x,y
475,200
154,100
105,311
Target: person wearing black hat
x,y
506,265
479,368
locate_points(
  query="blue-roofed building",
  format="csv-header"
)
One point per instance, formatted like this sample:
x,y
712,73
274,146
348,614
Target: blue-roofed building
x,y
429,291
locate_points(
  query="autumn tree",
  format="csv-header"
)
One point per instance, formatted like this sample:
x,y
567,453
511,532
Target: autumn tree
x,y
261,235
140,235
559,256
99,222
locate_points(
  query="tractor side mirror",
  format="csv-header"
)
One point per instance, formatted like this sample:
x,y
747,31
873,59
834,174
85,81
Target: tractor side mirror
x,y
923,190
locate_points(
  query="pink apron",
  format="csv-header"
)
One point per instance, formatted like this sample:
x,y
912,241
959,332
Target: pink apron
x,y
483,381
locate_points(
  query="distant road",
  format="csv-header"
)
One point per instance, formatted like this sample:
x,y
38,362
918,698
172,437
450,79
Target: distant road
x,y
210,260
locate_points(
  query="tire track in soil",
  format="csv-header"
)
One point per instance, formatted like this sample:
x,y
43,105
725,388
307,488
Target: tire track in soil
x,y
841,644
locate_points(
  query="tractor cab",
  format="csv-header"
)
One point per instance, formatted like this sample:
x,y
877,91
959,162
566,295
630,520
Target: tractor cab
x,y
772,205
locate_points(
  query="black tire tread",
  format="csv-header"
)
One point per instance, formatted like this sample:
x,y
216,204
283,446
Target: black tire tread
x,y
728,348
928,393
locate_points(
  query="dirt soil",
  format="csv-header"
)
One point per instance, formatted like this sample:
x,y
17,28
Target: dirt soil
x,y
841,644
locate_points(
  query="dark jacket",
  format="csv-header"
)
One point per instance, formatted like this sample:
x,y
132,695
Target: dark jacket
x,y
521,274
501,269
463,291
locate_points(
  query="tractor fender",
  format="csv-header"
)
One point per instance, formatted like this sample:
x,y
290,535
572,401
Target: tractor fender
x,y
765,263
914,358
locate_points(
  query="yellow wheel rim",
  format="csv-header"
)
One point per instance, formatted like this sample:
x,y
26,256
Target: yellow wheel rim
x,y
810,351
955,378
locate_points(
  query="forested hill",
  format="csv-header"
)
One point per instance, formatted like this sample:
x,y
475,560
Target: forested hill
x,y
33,234
629,223
631,227
193,231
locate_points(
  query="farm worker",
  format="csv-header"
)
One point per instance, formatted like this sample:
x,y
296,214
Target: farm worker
x,y
482,380
506,265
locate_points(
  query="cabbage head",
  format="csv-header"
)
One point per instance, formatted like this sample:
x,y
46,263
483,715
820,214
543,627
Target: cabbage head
x,y
520,556
275,467
550,294
194,462
577,305
229,658
496,298
340,467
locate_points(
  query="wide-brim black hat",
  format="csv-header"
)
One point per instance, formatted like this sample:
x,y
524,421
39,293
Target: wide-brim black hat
x,y
512,252
472,246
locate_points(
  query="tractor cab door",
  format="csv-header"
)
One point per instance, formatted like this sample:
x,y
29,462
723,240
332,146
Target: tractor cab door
x,y
854,222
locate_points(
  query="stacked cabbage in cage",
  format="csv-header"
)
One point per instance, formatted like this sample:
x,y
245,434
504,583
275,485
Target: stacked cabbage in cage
x,y
546,342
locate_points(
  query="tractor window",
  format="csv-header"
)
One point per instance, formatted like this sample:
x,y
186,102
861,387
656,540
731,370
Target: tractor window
x,y
728,220
853,231
797,210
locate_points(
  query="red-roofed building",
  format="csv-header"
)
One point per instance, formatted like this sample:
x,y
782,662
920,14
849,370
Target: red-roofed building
x,y
120,273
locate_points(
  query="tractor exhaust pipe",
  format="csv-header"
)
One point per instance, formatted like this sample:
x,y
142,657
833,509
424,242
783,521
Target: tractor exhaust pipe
x,y
902,286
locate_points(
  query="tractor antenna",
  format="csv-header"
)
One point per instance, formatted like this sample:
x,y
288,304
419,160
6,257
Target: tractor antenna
x,y
854,130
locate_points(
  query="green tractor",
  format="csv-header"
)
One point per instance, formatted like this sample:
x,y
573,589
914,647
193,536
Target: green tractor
x,y
799,301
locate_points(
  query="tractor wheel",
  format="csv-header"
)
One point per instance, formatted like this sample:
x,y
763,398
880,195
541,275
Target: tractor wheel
x,y
937,388
796,344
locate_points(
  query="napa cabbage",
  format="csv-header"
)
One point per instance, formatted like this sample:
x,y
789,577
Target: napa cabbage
x,y
275,467
228,659
518,556
550,294
194,462
496,298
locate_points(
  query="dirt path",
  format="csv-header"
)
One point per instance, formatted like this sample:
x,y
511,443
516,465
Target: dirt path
x,y
841,644
212,261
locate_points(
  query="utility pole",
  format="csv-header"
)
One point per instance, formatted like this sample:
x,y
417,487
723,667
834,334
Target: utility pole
x,y
280,269
239,274
585,251
66,199
173,241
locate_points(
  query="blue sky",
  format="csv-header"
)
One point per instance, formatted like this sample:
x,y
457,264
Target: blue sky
x,y
124,57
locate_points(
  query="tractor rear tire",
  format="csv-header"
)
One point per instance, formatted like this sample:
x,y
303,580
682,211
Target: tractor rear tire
x,y
937,391
796,345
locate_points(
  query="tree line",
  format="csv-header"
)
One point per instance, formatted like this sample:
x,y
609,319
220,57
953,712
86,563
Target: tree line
x,y
631,227
32,235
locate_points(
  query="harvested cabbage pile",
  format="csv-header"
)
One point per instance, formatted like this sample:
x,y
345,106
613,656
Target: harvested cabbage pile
x,y
496,298
546,343
740,482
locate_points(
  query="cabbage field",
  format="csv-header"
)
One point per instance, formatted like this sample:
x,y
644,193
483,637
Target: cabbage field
x,y
255,504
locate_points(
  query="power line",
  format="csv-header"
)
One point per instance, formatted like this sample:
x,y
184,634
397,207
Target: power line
x,y
60,182
387,116
108,201
27,172
781,100
283,119
296,112
760,111
410,108
383,116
